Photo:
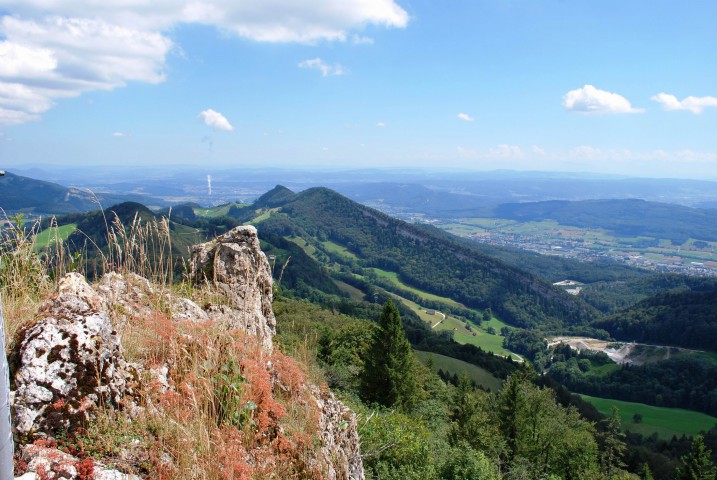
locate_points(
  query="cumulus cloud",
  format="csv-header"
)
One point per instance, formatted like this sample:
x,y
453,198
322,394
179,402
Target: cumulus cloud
x,y
325,68
694,104
381,124
465,117
215,120
590,100
53,50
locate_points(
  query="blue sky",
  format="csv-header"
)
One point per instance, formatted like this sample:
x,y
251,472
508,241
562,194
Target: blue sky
x,y
627,87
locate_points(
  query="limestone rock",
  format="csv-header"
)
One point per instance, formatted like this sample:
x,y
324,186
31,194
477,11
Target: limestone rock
x,y
235,265
67,363
126,295
340,446
47,463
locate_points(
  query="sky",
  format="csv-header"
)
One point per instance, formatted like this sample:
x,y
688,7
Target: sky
x,y
603,86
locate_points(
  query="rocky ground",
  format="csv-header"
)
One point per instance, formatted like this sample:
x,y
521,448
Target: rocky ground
x,y
126,350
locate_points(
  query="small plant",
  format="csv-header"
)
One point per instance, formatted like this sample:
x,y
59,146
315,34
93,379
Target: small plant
x,y
229,406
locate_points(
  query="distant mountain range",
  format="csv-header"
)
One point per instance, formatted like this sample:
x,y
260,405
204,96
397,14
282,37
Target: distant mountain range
x,y
20,194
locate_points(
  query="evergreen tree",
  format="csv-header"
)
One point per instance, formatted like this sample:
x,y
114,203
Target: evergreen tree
x,y
388,376
612,444
696,465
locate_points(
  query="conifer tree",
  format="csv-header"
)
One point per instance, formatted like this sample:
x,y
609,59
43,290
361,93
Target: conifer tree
x,y
612,444
388,376
696,465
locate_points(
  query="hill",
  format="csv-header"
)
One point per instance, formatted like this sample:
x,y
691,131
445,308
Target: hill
x,y
362,240
627,218
684,319
20,194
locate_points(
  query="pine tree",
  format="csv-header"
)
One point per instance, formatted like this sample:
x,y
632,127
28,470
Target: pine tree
x,y
388,376
612,444
696,465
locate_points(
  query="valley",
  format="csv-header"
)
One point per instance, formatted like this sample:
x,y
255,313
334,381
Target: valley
x,y
467,307
548,237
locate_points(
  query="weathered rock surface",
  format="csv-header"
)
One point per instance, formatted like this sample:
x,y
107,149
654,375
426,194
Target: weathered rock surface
x,y
127,296
339,437
67,363
47,463
235,265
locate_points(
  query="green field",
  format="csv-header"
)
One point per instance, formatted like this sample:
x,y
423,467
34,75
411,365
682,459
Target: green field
x,y
666,422
50,235
353,292
451,365
594,239
392,277
482,339
332,247
218,211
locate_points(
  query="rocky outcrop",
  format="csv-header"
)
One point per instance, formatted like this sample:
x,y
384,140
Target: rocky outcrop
x,y
43,462
235,265
340,450
67,363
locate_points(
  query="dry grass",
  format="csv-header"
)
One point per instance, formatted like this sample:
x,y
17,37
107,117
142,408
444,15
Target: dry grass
x,y
225,410
232,410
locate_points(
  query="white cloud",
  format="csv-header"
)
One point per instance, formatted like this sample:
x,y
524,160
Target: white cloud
x,y
325,68
465,117
118,134
538,150
591,100
60,58
381,124
215,120
694,104
57,49
361,40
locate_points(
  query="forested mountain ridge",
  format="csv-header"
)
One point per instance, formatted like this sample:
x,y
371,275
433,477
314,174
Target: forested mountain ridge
x,y
684,319
425,259
626,217
20,194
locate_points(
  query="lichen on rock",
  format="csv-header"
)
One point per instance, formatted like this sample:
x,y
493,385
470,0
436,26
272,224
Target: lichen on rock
x,y
235,265
68,363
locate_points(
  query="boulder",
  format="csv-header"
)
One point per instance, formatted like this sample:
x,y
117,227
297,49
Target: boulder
x,y
235,265
67,363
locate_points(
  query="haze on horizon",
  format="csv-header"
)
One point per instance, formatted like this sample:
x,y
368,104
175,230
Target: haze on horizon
x,y
608,87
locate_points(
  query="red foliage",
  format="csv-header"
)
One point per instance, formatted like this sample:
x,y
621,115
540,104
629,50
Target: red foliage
x,y
86,469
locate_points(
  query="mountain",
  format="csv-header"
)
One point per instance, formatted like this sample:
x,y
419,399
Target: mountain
x,y
683,319
625,218
20,194
369,243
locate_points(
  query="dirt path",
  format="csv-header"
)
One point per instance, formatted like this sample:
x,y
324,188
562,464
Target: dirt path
x,y
443,317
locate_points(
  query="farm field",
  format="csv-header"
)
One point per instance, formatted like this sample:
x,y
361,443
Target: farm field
x,y
392,277
453,366
218,211
482,339
48,236
665,422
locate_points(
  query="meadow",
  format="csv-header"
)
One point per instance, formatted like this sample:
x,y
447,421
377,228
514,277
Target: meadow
x,y
665,422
